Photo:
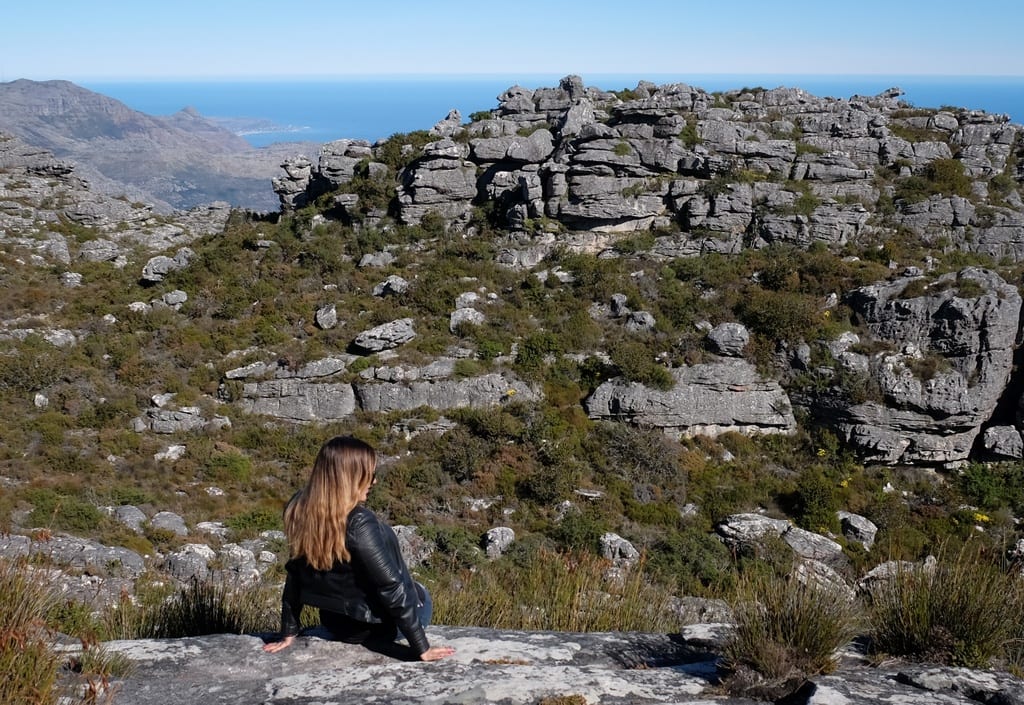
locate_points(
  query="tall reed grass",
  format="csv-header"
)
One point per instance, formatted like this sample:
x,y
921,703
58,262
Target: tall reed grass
x,y
964,610
196,609
787,628
32,672
552,591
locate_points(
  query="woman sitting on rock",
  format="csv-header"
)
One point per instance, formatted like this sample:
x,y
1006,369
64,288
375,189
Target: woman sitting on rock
x,y
346,561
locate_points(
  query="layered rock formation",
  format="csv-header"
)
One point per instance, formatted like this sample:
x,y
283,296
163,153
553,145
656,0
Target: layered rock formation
x,y
43,200
575,167
951,359
724,171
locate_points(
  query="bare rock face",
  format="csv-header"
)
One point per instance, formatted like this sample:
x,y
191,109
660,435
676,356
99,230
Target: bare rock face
x,y
507,667
708,399
299,400
953,358
476,392
668,157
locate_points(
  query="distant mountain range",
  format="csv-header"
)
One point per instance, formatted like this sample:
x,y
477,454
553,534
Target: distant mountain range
x,y
174,162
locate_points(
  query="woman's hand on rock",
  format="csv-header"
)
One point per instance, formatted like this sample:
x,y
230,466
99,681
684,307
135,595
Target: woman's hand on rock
x,y
275,646
435,653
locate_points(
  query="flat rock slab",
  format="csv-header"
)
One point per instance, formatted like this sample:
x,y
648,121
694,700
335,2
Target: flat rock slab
x,y
488,667
510,668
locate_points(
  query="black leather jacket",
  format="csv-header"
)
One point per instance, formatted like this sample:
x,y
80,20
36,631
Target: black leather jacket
x,y
374,587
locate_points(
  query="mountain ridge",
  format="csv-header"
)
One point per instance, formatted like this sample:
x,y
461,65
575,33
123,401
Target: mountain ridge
x,y
177,161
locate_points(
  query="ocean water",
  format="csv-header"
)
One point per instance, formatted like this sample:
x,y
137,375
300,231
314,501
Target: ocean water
x,y
372,108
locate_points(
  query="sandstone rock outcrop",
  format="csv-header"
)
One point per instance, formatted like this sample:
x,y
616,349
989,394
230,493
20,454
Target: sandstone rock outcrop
x,y
774,166
952,358
707,399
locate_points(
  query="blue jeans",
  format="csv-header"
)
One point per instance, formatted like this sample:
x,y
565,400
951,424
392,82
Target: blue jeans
x,y
425,609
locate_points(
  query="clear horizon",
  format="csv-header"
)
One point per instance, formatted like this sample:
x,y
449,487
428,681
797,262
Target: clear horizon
x,y
323,40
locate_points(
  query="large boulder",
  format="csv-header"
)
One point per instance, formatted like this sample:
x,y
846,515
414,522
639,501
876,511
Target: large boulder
x,y
707,399
954,356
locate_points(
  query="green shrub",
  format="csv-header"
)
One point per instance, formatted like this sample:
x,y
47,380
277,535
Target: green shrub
x,y
57,510
945,177
636,363
689,135
580,530
816,501
532,351
780,315
954,612
229,466
457,547
787,629
31,365
254,521
692,561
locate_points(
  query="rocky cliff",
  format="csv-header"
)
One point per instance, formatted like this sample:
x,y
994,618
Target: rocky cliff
x,y
581,168
424,291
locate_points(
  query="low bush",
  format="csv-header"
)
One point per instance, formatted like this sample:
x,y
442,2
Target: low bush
x,y
954,612
29,666
787,629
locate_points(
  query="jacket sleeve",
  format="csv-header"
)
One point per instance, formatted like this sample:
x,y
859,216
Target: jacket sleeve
x,y
369,546
291,605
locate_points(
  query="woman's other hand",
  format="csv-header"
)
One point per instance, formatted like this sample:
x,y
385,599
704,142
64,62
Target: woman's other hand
x,y
435,653
275,646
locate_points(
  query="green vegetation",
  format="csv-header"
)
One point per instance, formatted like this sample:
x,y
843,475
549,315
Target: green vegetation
x,y
29,665
539,589
690,135
963,610
943,177
787,629
72,450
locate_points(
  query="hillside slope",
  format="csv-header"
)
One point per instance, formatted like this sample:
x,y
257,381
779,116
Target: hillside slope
x,y
181,160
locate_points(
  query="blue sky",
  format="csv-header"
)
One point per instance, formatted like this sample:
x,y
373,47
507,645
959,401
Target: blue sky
x,y
104,39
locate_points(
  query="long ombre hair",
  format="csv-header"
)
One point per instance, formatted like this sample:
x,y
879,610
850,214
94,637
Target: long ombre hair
x,y
316,518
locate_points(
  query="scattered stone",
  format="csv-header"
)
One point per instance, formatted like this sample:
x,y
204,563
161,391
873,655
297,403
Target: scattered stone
x,y
170,454
858,528
497,541
465,316
169,521
129,515
618,550
392,286
327,317
386,336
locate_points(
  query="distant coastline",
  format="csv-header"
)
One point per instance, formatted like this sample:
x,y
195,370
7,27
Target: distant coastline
x,y
374,107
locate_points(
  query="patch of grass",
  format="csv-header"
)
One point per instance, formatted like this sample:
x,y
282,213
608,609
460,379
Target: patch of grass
x,y
199,608
541,589
787,629
29,667
954,612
